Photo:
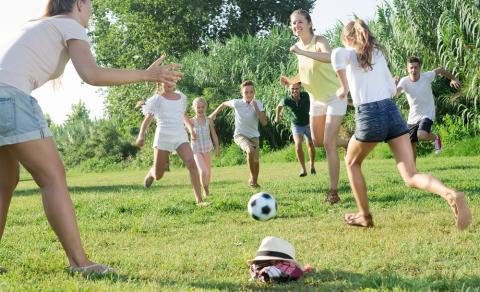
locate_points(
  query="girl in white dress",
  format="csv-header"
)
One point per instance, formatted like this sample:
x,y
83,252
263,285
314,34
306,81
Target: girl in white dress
x,y
168,107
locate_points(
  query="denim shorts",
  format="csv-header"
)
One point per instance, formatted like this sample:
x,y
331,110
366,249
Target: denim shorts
x,y
21,118
378,121
302,131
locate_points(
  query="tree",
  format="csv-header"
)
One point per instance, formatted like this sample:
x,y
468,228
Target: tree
x,y
448,37
133,33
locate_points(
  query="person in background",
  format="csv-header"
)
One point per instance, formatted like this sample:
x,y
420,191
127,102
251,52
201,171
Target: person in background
x,y
299,104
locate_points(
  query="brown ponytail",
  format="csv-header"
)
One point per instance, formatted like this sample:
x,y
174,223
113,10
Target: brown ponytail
x,y
58,7
364,42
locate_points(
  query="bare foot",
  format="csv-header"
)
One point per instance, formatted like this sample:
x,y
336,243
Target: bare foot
x,y
458,204
357,219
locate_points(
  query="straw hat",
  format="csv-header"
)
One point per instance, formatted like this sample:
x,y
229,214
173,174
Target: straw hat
x,y
274,248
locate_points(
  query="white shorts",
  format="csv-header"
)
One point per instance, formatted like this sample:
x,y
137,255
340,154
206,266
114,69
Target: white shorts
x,y
333,107
169,140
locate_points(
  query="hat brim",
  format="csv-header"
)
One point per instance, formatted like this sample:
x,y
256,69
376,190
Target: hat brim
x,y
269,258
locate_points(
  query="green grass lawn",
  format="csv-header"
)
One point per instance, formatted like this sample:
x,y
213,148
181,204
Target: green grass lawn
x,y
158,239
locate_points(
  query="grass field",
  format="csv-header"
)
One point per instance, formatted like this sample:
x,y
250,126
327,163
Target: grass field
x,y
158,239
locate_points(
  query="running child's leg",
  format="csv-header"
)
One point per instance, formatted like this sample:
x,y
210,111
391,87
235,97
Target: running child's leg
x,y
208,168
186,154
160,160
202,166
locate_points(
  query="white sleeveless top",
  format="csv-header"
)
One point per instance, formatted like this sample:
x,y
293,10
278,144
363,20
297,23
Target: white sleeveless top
x,y
168,113
203,143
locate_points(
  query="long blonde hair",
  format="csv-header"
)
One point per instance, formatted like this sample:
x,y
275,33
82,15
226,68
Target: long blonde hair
x,y
364,42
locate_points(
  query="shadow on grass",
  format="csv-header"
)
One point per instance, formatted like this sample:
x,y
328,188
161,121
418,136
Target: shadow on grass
x,y
164,282
82,189
328,280
115,188
318,280
462,167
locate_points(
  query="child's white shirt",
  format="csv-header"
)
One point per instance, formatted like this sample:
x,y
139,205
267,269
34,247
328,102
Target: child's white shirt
x,y
168,113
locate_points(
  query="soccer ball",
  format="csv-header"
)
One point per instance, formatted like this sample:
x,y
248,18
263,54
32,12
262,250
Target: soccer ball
x,y
262,206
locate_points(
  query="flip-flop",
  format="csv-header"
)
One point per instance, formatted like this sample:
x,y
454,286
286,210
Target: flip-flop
x,y
355,219
458,204
92,269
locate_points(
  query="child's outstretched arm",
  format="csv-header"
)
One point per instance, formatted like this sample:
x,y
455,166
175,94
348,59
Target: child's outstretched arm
x,y
220,108
143,129
214,136
188,123
454,82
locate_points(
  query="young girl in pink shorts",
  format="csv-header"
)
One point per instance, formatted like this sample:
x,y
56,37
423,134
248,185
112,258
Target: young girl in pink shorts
x,y
204,140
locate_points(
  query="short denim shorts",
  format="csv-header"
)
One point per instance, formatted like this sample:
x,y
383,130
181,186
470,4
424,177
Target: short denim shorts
x,y
378,121
302,131
21,118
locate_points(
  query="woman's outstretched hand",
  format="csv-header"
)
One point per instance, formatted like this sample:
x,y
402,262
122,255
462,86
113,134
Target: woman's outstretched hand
x,y
164,74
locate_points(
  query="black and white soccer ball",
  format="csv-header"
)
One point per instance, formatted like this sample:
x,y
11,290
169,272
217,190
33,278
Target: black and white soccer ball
x,y
262,206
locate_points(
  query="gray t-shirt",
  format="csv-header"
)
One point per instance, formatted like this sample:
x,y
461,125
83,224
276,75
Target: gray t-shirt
x,y
420,97
246,119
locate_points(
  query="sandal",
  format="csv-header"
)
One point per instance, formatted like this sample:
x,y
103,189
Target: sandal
x,y
458,204
92,269
332,197
356,219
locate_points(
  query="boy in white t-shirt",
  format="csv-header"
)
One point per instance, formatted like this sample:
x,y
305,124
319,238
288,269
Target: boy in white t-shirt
x,y
417,86
248,112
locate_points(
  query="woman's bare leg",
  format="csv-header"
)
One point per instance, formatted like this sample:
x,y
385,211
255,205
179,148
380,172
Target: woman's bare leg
x,y
186,154
42,160
403,153
9,176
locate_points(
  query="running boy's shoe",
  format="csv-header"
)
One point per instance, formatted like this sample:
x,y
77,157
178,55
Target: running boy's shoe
x,y
438,145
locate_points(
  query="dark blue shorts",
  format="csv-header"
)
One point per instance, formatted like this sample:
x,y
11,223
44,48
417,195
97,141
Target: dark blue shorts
x,y
424,124
378,121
